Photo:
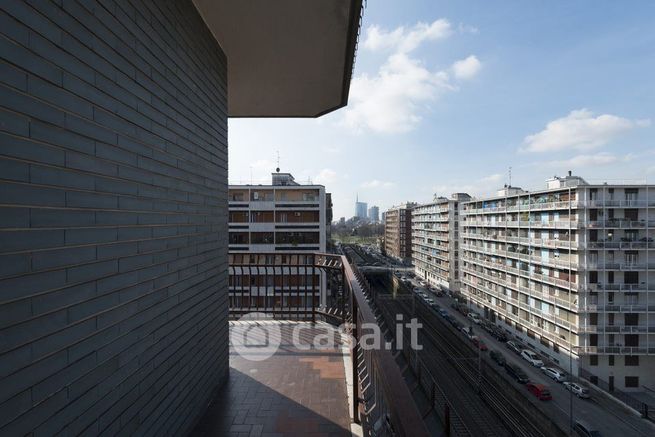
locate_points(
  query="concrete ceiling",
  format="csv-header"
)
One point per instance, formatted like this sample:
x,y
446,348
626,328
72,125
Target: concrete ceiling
x,y
286,58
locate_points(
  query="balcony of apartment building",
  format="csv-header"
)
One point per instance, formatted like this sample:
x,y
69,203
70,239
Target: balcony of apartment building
x,y
303,387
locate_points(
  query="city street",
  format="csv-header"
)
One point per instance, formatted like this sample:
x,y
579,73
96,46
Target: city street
x,y
607,415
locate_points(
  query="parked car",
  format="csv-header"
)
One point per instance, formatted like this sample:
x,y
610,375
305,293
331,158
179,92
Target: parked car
x,y
474,317
497,357
429,301
499,334
577,389
443,313
511,345
585,430
516,372
539,390
479,344
435,305
531,357
456,324
555,374
468,332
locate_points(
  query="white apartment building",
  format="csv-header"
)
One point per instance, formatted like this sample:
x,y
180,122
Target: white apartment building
x,y
435,240
288,222
571,270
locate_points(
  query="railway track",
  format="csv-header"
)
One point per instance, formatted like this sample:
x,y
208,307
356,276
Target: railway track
x,y
488,410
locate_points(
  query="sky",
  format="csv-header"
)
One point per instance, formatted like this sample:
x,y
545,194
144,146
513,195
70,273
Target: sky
x,y
447,95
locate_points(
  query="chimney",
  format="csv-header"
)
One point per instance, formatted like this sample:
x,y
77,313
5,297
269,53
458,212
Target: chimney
x,y
569,172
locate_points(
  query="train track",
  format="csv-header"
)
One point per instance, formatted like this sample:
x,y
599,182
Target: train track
x,y
488,410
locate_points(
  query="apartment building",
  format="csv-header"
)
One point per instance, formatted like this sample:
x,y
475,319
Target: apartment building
x,y
435,240
398,232
288,221
569,269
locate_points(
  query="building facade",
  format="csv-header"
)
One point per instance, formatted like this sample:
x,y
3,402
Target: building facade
x,y
569,269
435,240
283,219
361,209
113,195
374,214
398,232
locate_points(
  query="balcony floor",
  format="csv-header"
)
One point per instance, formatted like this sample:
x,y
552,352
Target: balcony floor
x,y
295,392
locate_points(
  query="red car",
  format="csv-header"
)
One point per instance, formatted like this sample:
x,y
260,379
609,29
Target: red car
x,y
539,390
480,344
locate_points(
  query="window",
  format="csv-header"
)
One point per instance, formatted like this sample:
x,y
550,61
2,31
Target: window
x,y
631,319
610,360
593,340
631,257
630,194
593,360
631,381
632,360
632,340
631,277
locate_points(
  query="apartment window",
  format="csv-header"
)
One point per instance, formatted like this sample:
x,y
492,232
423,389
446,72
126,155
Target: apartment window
x,y
631,319
631,257
593,319
632,340
261,238
593,360
631,381
631,298
593,340
632,360
593,277
610,360
610,277
631,214
630,194
631,277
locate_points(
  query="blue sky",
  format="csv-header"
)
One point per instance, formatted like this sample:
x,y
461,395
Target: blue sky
x,y
447,95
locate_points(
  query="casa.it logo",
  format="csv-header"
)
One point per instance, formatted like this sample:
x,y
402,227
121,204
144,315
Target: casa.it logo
x,y
256,336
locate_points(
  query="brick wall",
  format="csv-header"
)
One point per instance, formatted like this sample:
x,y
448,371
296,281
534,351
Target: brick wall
x,y
113,216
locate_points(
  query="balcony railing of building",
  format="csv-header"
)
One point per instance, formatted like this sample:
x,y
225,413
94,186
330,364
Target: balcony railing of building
x,y
382,398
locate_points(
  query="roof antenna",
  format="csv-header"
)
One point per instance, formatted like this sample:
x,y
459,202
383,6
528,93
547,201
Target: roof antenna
x,y
278,162
510,175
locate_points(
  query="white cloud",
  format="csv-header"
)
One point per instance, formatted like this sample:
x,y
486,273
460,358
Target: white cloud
x,y
375,183
580,130
467,68
403,40
326,176
391,100
465,28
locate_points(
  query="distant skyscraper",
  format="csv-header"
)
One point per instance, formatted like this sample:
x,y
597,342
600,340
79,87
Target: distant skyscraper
x,y
374,214
360,208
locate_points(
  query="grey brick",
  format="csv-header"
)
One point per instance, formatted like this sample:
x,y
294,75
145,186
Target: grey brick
x,y
14,170
30,240
20,194
57,95
90,236
58,177
91,271
81,199
61,218
61,137
11,265
62,298
12,122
